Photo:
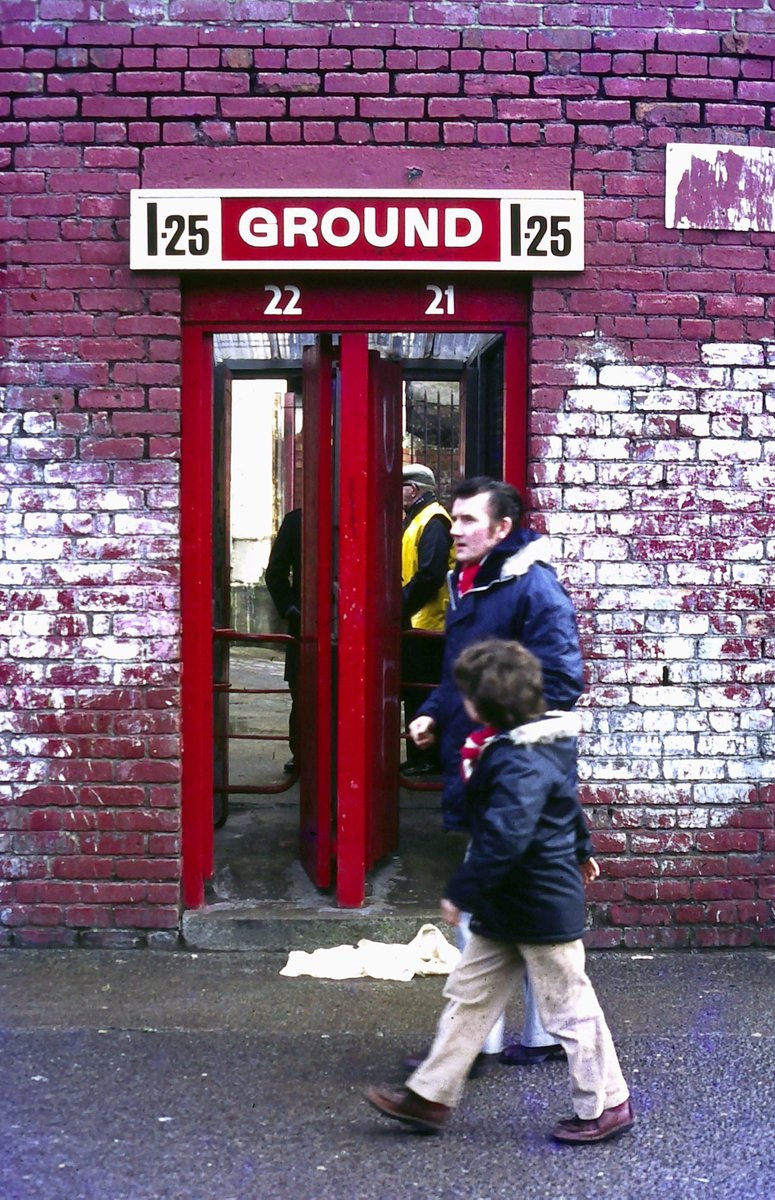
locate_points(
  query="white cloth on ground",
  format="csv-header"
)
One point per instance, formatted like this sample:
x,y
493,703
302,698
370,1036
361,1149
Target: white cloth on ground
x,y
428,953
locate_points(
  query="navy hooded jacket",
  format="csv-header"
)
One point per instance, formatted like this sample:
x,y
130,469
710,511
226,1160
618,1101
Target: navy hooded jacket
x,y
520,879
516,596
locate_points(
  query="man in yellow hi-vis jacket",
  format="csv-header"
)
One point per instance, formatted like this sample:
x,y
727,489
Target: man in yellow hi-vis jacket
x,y
426,556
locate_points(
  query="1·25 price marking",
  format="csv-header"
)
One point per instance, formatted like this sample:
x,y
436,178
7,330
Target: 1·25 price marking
x,y
529,235
175,229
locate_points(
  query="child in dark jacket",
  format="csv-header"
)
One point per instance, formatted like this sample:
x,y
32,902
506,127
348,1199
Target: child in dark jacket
x,y
522,879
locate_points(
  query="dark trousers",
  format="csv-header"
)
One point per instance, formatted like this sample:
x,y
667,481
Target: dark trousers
x,y
292,658
421,658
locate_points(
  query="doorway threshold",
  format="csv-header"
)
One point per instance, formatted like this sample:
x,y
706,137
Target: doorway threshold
x,y
261,899
269,927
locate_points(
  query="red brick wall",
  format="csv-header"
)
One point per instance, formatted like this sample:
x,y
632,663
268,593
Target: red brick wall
x,y
652,377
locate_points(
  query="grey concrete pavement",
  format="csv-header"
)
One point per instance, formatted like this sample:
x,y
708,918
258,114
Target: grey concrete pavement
x,y
142,1075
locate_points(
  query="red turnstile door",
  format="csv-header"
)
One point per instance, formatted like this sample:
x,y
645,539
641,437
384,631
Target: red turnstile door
x,y
368,717
384,568
350,640
316,700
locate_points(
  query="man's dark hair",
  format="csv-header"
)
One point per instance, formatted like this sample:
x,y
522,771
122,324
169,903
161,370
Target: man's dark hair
x,y
503,499
503,681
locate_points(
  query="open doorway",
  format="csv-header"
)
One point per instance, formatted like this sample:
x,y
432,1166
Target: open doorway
x,y
322,420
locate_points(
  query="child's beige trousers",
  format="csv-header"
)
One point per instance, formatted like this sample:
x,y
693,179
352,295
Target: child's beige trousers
x,y
478,990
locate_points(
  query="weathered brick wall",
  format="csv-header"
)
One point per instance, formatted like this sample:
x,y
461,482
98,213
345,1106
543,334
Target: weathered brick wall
x,y
652,378
664,521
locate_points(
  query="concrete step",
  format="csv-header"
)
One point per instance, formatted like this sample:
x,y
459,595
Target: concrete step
x,y
282,928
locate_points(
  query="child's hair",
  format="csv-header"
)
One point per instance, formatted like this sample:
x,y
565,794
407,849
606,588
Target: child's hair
x,y
503,681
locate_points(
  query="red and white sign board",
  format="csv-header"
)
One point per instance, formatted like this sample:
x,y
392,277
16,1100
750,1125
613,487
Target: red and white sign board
x,y
365,230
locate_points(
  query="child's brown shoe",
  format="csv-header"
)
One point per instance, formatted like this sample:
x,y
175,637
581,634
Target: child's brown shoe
x,y
406,1106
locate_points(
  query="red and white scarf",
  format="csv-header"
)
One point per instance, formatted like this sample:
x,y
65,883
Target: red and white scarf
x,y
466,577
548,728
473,747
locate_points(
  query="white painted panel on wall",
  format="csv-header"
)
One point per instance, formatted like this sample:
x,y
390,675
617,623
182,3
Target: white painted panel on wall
x,y
720,187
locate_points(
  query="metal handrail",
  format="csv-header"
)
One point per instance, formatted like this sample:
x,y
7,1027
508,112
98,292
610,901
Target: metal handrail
x,y
226,689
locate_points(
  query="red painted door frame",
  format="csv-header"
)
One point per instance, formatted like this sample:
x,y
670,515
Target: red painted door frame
x,y
196,487
337,304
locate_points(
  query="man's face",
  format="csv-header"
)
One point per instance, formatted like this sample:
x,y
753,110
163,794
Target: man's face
x,y
474,533
409,496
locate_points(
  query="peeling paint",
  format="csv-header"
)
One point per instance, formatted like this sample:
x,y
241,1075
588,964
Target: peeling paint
x,y
720,187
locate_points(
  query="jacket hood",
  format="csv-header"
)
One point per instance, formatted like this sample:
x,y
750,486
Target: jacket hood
x,y
522,553
551,727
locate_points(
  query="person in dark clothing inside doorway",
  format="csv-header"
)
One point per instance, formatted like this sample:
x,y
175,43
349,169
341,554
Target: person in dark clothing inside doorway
x,y
425,559
283,581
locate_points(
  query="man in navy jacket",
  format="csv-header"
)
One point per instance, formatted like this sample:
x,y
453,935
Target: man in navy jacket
x,y
503,586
